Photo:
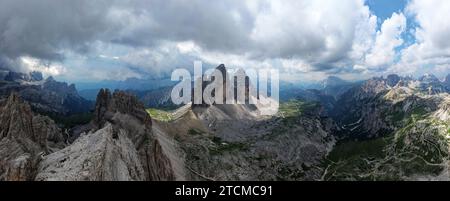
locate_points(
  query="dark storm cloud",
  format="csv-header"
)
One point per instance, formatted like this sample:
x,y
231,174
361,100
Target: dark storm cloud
x,y
214,25
315,32
45,28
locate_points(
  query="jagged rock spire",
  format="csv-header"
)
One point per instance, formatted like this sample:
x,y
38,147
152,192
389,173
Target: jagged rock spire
x,y
23,139
17,120
108,104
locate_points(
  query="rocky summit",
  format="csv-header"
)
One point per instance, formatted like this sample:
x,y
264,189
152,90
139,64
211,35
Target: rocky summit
x,y
122,145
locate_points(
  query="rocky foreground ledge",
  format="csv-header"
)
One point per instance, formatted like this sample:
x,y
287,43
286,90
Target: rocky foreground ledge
x,y
119,144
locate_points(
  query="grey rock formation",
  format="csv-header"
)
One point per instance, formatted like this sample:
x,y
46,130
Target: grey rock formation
x,y
119,102
105,155
45,96
126,112
122,145
392,80
226,143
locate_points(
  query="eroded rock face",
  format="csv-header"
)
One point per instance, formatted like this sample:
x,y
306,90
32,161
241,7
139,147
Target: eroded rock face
x,y
158,166
23,139
17,121
119,102
44,96
392,80
126,112
377,106
121,146
228,88
275,148
105,155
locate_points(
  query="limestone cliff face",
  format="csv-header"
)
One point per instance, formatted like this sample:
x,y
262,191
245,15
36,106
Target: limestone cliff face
x,y
105,155
158,166
17,121
121,146
24,139
126,112
108,105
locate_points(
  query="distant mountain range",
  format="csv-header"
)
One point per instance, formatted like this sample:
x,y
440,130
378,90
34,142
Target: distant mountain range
x,y
130,83
44,95
393,128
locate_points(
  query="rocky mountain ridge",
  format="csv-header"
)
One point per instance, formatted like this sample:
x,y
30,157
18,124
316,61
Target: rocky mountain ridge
x,y
121,145
46,96
24,139
395,128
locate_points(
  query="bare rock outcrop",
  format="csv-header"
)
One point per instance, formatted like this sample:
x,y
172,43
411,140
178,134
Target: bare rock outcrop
x,y
118,102
23,139
126,112
121,146
105,155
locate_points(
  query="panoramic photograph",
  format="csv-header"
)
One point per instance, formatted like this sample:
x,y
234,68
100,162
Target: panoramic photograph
x,y
224,90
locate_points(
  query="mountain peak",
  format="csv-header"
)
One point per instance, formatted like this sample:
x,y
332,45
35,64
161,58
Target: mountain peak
x,y
27,137
50,79
36,76
332,81
428,77
33,76
222,69
108,104
334,78
392,79
221,66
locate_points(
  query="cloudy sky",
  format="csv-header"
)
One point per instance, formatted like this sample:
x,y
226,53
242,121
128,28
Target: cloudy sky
x,y
85,40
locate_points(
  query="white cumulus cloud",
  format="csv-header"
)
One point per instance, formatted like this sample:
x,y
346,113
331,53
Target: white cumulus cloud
x,y
387,39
